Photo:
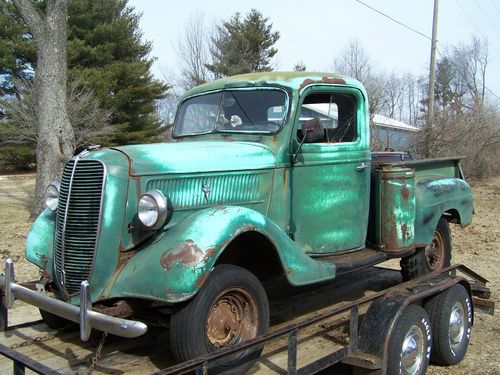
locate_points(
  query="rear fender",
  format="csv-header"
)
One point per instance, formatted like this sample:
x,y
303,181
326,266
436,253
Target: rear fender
x,y
434,197
174,266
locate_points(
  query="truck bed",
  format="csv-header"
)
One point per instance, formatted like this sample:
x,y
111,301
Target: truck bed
x,y
65,353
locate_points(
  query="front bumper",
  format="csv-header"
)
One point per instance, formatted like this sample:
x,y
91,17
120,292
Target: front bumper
x,y
82,314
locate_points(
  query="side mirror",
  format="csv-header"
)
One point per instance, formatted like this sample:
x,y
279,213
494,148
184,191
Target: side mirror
x,y
313,130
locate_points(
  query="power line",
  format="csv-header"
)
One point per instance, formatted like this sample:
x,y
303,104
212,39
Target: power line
x,y
470,19
394,20
473,24
486,16
493,2
491,92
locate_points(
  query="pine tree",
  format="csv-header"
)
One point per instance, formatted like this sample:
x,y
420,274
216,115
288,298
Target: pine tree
x,y
105,52
243,45
17,49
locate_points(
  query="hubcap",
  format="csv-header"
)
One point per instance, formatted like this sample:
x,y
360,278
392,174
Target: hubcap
x,y
457,325
412,354
233,318
434,253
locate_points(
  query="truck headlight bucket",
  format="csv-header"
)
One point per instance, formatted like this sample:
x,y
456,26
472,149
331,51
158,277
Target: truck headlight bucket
x,y
154,209
52,195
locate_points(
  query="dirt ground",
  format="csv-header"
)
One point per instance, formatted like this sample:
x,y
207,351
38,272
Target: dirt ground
x,y
477,246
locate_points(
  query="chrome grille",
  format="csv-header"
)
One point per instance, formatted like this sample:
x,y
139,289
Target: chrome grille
x,y
77,223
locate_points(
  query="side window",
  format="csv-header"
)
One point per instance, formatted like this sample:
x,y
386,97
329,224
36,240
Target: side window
x,y
328,118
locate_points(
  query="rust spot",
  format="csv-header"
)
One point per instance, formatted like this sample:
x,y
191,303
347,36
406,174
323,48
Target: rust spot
x,y
333,80
124,258
306,82
283,186
186,253
405,193
210,253
404,230
324,79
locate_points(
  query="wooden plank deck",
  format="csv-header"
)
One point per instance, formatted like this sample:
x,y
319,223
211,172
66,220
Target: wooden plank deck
x,y
65,352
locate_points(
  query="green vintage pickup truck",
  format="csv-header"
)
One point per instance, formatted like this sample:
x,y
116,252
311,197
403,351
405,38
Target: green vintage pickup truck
x,y
266,174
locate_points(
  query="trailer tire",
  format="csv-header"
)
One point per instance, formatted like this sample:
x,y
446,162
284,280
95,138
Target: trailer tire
x,y
230,308
3,314
451,319
410,343
432,258
54,321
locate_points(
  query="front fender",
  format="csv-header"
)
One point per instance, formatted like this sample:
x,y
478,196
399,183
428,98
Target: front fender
x,y
40,241
434,197
174,266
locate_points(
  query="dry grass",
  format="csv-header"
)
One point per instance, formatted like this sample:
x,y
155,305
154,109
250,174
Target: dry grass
x,y
477,246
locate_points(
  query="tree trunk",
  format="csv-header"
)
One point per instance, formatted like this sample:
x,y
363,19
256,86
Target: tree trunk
x,y
55,134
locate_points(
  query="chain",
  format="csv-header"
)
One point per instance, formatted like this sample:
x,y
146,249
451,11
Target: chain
x,y
46,337
95,358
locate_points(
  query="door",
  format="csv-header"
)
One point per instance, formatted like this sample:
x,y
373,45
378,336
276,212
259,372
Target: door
x,y
331,172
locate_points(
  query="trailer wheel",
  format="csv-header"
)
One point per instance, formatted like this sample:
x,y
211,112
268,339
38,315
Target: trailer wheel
x,y
54,321
410,343
451,318
231,307
432,258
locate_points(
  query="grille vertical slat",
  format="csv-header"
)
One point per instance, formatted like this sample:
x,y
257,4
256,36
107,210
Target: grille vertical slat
x,y
77,223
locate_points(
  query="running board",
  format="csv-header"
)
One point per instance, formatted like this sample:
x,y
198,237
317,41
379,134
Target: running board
x,y
356,260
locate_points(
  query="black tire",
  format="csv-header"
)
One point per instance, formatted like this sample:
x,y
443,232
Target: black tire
x,y
234,299
411,331
450,343
432,258
3,314
54,321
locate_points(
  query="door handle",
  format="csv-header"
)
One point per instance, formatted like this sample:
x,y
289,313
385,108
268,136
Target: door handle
x,y
362,167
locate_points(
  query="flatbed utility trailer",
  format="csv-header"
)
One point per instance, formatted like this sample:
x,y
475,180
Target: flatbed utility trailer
x,y
349,322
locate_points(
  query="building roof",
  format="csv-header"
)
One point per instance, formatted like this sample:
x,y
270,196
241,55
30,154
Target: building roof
x,y
386,122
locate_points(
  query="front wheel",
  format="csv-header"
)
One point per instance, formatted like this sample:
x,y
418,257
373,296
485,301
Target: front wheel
x,y
451,318
410,343
231,307
432,258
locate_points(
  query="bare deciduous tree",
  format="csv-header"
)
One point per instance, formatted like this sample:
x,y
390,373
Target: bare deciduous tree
x,y
192,51
89,121
56,141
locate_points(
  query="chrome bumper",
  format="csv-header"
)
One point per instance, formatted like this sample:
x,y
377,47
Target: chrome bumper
x,y
82,314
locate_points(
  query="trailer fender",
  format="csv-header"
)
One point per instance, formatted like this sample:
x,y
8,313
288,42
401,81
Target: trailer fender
x,y
174,266
377,325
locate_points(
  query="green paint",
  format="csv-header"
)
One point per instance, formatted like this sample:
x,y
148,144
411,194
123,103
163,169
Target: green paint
x,y
319,204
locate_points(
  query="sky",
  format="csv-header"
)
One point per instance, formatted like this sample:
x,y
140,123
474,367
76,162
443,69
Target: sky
x,y
315,31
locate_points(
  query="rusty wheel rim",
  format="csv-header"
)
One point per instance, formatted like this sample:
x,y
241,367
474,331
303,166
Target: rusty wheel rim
x,y
434,253
232,318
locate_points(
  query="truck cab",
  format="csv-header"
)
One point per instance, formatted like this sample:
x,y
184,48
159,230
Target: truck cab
x,y
266,174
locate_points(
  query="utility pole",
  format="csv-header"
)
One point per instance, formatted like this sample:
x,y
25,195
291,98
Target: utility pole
x,y
432,76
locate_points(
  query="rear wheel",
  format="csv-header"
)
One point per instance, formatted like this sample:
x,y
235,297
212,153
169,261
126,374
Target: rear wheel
x,y
230,308
433,258
451,318
410,343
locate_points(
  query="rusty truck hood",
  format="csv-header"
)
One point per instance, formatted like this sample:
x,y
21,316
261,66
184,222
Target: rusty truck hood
x,y
186,157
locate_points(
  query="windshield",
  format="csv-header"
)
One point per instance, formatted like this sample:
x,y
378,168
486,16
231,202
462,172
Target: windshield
x,y
246,111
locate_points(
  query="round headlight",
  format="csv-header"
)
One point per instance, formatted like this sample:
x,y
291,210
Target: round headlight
x,y
52,196
154,210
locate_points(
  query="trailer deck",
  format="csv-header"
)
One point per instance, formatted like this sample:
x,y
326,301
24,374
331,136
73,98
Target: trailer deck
x,y
311,328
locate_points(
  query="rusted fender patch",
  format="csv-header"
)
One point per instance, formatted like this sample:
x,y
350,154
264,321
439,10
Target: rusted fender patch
x,y
187,254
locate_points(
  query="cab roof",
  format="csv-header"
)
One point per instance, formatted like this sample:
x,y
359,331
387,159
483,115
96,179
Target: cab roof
x,y
295,81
